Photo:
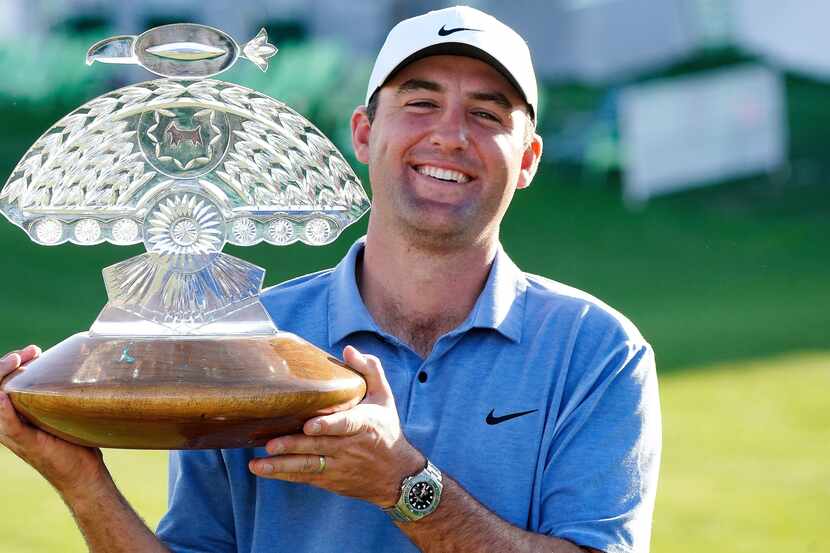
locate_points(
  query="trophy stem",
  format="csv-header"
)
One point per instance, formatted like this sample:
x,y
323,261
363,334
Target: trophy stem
x,y
158,295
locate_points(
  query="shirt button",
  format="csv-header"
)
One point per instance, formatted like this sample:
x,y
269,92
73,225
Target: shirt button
x,y
422,376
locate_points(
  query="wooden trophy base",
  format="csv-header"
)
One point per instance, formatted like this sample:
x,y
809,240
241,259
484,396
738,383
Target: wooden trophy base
x,y
180,392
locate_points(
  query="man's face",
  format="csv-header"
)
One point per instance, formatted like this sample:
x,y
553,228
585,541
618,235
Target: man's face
x,y
446,150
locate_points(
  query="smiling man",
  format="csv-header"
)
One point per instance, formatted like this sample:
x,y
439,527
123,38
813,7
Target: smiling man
x,y
504,411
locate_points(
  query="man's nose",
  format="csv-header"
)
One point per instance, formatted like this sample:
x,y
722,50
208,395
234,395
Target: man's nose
x,y
451,132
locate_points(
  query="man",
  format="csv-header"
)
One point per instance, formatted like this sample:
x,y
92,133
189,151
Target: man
x,y
504,411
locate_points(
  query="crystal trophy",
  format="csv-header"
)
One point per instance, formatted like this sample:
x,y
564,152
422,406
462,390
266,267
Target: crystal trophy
x,y
183,355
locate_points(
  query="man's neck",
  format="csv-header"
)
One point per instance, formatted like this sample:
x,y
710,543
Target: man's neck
x,y
419,294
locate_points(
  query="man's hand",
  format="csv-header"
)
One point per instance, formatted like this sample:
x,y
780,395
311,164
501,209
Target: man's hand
x,y
66,466
366,454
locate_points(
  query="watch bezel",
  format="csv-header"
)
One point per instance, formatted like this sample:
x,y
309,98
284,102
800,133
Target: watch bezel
x,y
407,491
403,510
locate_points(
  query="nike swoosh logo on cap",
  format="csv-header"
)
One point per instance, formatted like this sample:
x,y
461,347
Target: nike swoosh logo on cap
x,y
492,419
443,31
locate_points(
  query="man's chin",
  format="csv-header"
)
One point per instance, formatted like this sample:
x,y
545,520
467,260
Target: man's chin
x,y
436,233
436,222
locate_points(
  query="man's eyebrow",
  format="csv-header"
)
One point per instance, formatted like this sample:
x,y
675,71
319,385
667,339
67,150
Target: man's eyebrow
x,y
495,97
485,96
419,84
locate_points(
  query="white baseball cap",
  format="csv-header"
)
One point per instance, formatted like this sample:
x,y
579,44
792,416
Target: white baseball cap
x,y
460,30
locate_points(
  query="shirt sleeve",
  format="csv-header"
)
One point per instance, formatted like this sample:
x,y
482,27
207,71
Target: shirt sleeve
x,y
600,474
199,518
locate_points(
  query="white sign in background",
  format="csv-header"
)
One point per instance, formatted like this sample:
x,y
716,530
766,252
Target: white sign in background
x,y
691,131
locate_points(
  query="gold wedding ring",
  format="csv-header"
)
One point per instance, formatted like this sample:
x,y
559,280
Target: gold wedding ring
x,y
322,464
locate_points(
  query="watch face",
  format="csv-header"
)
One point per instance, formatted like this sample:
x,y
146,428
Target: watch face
x,y
421,496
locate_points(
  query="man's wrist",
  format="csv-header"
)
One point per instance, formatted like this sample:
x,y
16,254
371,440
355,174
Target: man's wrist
x,y
96,484
414,464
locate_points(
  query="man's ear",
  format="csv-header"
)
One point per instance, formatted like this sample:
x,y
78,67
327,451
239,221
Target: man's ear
x,y
361,129
530,162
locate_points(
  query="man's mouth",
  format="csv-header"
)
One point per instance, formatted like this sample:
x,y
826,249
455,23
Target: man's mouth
x,y
446,175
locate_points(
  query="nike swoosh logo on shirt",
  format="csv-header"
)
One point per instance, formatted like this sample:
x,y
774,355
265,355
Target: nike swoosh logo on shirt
x,y
492,419
443,31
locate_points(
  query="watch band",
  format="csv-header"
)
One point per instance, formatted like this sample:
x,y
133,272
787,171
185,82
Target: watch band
x,y
427,485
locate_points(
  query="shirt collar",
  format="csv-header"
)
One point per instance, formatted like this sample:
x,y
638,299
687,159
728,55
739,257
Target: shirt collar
x,y
347,312
500,306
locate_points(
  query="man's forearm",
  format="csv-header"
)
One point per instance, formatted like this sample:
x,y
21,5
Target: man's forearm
x,y
463,524
108,523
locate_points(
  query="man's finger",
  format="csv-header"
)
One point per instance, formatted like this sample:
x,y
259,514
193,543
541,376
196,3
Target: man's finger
x,y
344,423
28,353
371,369
13,360
300,444
9,363
288,464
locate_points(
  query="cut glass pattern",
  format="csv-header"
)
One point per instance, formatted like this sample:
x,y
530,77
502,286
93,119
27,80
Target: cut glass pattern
x,y
148,288
111,157
318,231
281,232
48,231
182,224
87,231
184,164
244,231
125,231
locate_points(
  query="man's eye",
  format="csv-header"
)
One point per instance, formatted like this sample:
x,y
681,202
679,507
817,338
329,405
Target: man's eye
x,y
487,115
421,104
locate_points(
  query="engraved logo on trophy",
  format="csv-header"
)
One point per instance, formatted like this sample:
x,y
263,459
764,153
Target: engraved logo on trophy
x,y
183,164
184,142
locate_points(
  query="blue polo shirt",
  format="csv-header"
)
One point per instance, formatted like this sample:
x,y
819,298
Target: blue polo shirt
x,y
542,404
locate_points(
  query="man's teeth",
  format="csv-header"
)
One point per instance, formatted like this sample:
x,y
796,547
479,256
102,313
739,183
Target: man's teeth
x,y
443,174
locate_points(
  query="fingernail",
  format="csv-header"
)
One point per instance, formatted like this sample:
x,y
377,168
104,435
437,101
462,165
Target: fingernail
x,y
274,448
314,427
355,351
267,468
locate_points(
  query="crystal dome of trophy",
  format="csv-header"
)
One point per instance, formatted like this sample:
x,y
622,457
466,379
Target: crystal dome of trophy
x,y
183,355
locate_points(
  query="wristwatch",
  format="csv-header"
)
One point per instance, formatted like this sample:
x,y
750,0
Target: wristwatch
x,y
420,495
